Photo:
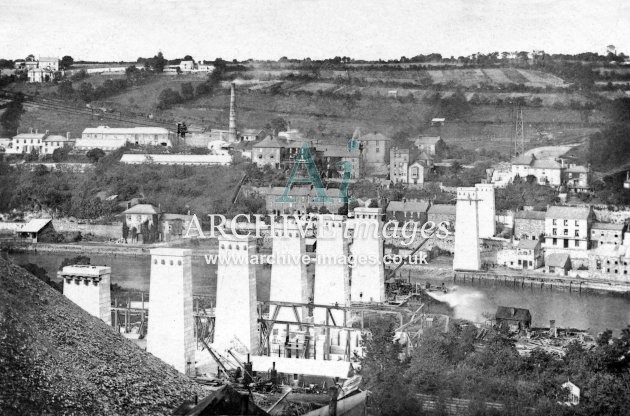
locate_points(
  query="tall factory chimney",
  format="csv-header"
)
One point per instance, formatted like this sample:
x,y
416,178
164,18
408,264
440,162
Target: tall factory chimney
x,y
232,128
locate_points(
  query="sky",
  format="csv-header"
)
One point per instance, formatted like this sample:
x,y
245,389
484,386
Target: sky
x,y
269,29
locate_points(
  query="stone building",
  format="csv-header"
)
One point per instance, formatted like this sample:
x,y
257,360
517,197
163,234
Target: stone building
x,y
529,225
375,150
567,229
430,145
610,262
607,233
527,254
558,263
407,210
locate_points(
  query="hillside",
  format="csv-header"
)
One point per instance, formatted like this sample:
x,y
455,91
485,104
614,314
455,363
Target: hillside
x,y
57,359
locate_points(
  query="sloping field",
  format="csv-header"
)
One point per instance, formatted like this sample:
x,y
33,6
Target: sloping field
x,y
58,359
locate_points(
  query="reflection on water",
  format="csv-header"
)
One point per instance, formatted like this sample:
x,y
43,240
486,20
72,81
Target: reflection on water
x,y
594,312
589,311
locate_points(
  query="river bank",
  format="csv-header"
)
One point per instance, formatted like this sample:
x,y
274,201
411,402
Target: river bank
x,y
101,249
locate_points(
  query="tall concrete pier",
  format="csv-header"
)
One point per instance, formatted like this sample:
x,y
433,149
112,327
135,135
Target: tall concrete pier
x,y
88,287
332,284
236,318
288,273
487,212
232,131
170,334
467,255
367,274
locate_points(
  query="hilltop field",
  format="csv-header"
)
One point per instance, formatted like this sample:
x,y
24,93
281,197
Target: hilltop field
x,y
329,104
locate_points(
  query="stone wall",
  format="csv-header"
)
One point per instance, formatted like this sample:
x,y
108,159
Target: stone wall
x,y
113,230
528,228
606,215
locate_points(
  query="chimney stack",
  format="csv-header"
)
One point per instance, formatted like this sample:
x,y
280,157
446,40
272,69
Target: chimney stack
x,y
67,135
232,126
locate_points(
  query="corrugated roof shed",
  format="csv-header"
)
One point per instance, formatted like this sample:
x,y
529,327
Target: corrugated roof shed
x,y
35,225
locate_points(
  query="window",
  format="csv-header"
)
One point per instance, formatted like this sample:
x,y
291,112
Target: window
x,y
577,243
598,264
555,241
554,222
576,223
566,223
566,232
577,233
554,231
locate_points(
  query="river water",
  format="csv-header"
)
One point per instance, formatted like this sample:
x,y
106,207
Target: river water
x,y
594,312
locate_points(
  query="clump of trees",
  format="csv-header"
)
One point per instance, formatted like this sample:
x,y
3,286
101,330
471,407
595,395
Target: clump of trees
x,y
457,365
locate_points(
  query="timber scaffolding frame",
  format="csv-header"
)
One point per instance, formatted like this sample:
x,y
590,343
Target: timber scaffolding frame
x,y
356,312
128,317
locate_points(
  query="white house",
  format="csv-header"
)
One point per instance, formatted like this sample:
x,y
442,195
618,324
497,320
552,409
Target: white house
x,y
546,171
54,142
168,159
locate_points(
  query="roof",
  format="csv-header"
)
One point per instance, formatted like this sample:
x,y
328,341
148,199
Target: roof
x,y
530,215
338,151
295,191
546,164
511,313
438,119
277,142
374,136
427,140
608,226
34,226
48,59
408,206
142,209
251,132
611,250
57,138
524,159
568,213
172,217
424,156
527,244
84,270
557,260
125,130
38,136
442,209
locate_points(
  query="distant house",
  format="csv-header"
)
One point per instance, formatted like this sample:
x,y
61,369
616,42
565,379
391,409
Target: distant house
x,y
558,263
408,210
527,255
607,233
276,151
567,228
610,262
334,157
577,178
250,135
174,226
54,142
303,200
139,214
546,171
32,230
529,225
431,145
375,149
27,142
512,318
408,166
